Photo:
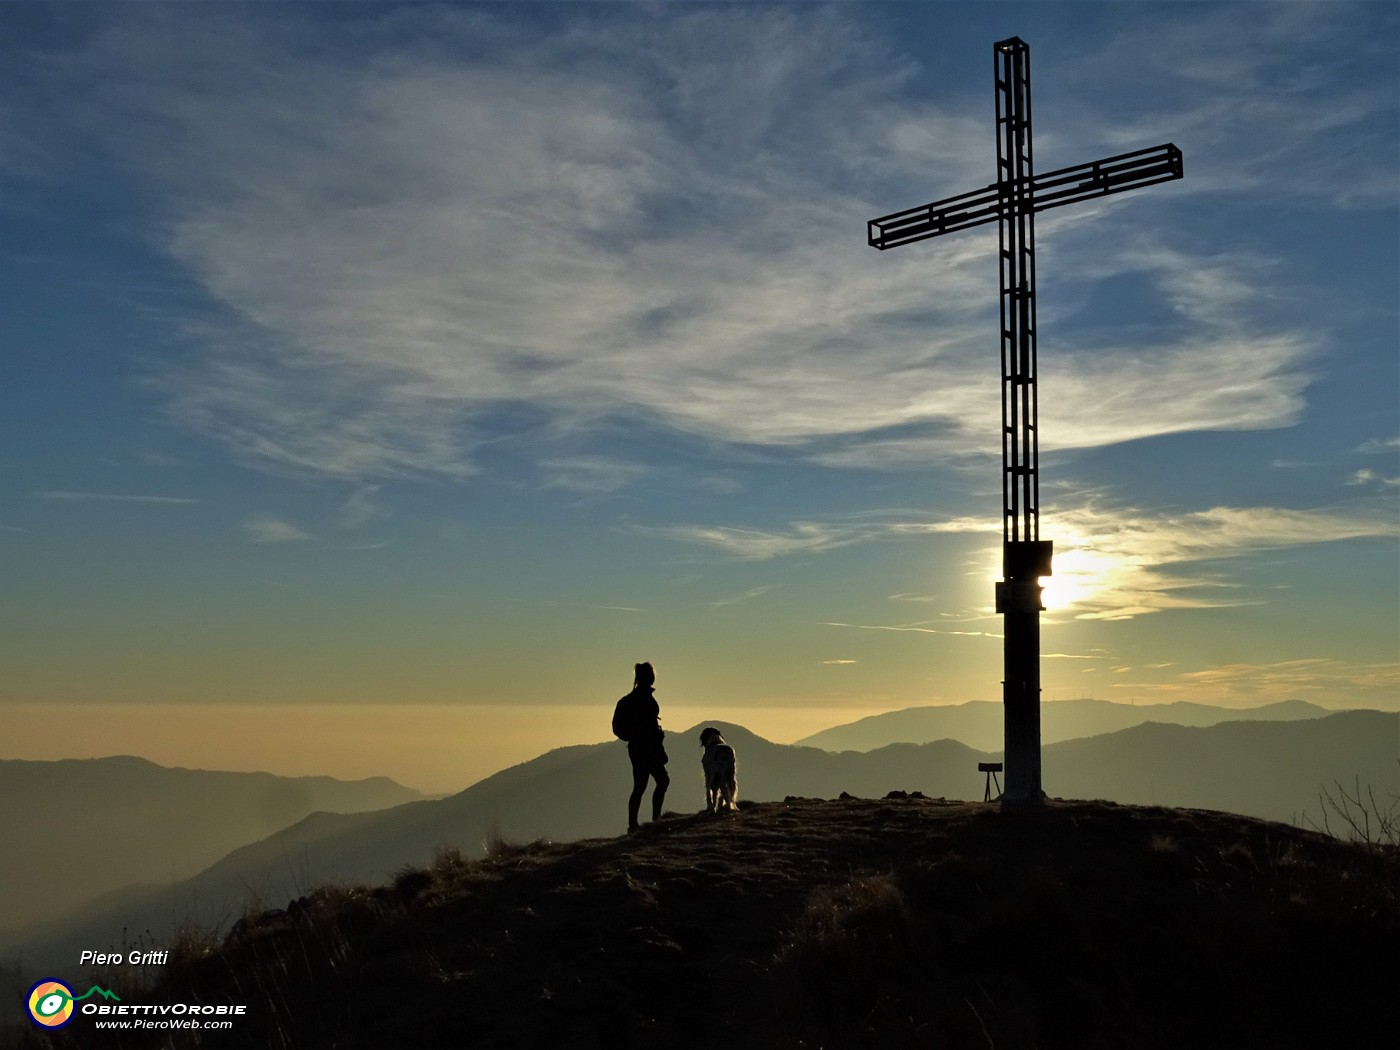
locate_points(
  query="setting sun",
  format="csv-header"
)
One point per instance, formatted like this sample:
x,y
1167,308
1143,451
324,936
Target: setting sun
x,y
1084,576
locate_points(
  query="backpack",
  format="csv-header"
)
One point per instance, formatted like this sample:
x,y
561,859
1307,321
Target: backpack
x,y
624,723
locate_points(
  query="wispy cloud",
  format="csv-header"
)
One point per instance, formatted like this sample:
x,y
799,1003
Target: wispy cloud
x,y
758,544
592,475
360,508
739,599
1110,563
111,497
1323,679
1230,103
556,603
1118,563
666,225
268,528
1372,445
911,628
1365,477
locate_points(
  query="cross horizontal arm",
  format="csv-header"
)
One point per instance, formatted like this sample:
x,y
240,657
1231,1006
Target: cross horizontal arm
x,y
1127,171
931,220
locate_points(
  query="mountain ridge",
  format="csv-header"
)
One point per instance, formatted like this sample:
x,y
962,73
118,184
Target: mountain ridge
x,y
979,723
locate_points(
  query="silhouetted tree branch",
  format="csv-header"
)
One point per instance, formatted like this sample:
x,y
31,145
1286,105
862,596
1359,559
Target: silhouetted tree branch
x,y
1358,815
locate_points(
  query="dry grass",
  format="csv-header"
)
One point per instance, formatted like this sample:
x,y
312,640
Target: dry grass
x,y
856,923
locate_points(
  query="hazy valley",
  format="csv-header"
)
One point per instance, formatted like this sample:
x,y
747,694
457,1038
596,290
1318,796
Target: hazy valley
x,y
78,829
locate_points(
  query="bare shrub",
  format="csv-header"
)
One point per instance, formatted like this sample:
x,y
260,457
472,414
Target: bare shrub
x,y
1356,815
448,860
494,842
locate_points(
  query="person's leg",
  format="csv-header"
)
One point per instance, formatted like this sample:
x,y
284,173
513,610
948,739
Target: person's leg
x,y
639,786
663,781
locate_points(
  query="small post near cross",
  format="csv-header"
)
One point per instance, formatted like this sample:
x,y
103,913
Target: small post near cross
x,y
1012,202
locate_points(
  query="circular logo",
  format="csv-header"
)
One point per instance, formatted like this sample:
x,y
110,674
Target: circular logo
x,y
51,1004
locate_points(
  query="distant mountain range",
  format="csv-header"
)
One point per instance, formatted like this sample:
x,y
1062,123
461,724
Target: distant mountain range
x,y
1274,770
978,723
79,828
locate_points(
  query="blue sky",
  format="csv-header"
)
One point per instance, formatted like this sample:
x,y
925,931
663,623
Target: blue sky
x,y
409,354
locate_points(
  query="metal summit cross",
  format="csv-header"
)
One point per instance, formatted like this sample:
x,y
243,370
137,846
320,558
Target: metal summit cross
x,y
1012,202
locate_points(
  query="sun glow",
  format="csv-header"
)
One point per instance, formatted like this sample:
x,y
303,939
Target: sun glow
x,y
1083,575
1091,578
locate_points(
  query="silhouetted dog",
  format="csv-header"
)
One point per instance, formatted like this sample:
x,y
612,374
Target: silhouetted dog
x,y
721,784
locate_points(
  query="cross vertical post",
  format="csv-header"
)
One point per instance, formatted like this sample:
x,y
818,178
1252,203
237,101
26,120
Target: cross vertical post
x,y
1024,558
1012,203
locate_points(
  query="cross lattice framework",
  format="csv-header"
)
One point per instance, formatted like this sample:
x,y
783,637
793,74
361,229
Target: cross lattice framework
x,y
1012,202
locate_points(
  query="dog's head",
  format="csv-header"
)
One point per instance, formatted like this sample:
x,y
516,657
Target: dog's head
x,y
709,735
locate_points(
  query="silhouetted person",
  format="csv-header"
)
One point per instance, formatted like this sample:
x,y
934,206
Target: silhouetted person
x,y
637,719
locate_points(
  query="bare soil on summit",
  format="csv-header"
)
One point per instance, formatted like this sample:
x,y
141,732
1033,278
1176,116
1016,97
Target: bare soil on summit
x,y
901,922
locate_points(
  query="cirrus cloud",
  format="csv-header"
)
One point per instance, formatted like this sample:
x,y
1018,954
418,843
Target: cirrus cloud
x,y
268,528
652,218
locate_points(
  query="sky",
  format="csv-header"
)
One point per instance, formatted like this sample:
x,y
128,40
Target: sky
x,y
381,381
